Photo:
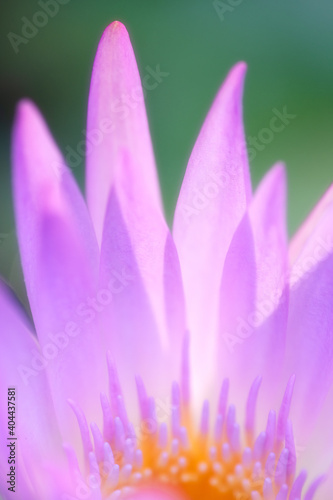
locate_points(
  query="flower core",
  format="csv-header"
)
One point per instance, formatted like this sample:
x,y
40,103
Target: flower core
x,y
179,459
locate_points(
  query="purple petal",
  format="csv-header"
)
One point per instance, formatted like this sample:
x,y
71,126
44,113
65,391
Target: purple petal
x,y
146,316
212,201
310,325
59,254
116,120
325,483
252,320
268,219
36,433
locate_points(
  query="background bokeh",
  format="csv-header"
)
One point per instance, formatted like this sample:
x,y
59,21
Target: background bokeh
x,y
287,45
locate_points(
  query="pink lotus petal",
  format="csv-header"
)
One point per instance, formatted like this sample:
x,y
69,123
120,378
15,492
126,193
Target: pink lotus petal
x,y
145,321
60,262
116,120
268,218
213,199
310,325
237,301
325,487
36,435
252,323
319,444
304,232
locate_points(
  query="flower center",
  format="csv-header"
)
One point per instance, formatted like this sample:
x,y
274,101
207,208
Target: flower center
x,y
191,462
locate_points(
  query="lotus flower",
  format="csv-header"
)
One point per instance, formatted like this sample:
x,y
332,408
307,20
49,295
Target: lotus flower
x,y
123,308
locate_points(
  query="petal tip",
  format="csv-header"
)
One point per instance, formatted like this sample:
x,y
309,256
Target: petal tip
x,y
240,67
24,109
238,71
280,169
115,29
234,82
117,26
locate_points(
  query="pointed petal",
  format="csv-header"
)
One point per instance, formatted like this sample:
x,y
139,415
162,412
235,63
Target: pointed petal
x,y
268,217
35,429
252,319
319,444
212,201
304,232
147,310
310,325
116,120
59,255
269,222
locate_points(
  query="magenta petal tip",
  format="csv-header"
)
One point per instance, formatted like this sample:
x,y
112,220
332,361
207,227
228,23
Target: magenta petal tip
x,y
114,29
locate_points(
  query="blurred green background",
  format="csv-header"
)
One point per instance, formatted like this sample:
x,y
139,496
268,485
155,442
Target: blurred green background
x,y
287,45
